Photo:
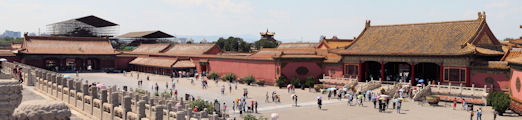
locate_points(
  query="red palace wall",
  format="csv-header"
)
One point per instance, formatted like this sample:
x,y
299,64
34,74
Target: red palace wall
x,y
516,93
262,70
500,80
289,70
335,70
123,62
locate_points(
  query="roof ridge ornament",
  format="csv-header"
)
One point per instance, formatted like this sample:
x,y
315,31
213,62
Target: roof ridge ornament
x,y
367,23
481,15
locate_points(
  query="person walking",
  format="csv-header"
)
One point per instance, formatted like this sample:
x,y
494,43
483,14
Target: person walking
x,y
223,89
464,104
235,85
157,87
230,87
373,99
479,114
471,115
166,85
266,98
329,94
295,99
255,106
319,102
173,84
147,77
234,106
399,105
224,107
454,103
349,101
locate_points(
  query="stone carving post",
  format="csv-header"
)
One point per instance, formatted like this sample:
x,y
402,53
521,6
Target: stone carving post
x,y
103,96
180,115
126,105
159,112
141,109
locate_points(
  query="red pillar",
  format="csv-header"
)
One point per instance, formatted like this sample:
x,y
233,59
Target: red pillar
x,y
441,72
468,80
360,71
382,71
344,70
412,73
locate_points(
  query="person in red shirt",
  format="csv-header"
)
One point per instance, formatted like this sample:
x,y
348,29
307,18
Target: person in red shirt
x,y
195,109
454,103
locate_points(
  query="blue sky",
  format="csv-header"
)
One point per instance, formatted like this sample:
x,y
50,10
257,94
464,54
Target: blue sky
x,y
292,20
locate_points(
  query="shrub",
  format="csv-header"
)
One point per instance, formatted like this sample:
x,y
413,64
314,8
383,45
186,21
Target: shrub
x,y
492,95
213,76
201,105
141,91
229,77
310,81
295,82
500,102
281,81
166,94
261,82
248,79
252,117
318,87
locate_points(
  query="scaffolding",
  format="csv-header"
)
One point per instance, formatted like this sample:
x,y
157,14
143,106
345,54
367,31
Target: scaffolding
x,y
89,26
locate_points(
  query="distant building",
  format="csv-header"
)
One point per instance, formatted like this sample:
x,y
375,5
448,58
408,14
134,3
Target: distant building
x,y
268,36
138,38
13,34
88,26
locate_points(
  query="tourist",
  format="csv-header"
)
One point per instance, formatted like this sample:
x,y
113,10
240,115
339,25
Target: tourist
x,y
224,107
373,99
234,106
454,103
176,94
124,73
387,102
20,79
229,87
395,100
360,97
166,85
349,101
255,106
471,115
173,85
319,102
157,87
464,104
399,104
340,95
266,98
494,115
295,99
77,73
380,105
369,94
479,114
137,76
147,77
235,85
329,94
223,89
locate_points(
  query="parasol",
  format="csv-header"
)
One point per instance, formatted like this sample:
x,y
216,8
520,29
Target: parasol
x,y
101,86
274,116
319,97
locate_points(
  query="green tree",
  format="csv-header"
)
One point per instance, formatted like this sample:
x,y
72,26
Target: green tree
x,y
281,81
213,75
500,102
508,39
265,43
229,77
233,44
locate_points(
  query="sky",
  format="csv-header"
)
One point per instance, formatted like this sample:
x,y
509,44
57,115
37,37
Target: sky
x,y
291,20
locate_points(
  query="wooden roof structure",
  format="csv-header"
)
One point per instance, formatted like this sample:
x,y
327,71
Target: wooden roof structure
x,y
188,49
162,62
297,45
437,38
146,34
150,48
66,45
334,43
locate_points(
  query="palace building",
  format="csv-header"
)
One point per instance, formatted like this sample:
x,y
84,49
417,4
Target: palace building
x,y
445,52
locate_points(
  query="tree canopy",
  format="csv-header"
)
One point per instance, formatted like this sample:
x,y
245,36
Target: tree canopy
x,y
265,43
233,44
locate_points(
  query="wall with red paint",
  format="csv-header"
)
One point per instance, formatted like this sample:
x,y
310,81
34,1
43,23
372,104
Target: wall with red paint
x,y
123,62
214,50
289,70
333,70
517,74
500,79
265,70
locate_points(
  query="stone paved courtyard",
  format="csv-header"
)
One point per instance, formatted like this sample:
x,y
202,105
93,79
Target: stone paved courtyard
x,y
307,108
